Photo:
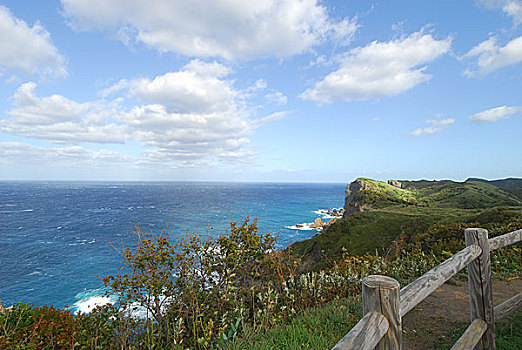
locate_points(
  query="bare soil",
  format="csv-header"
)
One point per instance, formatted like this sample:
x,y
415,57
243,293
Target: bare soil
x,y
434,321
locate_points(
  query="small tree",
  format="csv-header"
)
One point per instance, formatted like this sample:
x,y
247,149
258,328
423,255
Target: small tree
x,y
199,289
147,278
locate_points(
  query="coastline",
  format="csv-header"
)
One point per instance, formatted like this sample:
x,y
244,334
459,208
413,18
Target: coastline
x,y
330,215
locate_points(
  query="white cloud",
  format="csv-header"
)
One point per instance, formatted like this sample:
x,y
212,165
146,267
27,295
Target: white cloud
x,y
512,8
277,97
60,120
491,56
188,135
380,69
437,126
272,117
190,117
230,29
20,152
28,50
191,114
197,88
495,114
441,122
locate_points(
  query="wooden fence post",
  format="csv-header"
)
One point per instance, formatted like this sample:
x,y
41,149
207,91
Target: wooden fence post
x,y
480,292
381,294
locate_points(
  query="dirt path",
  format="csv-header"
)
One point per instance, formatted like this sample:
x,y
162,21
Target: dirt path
x,y
434,320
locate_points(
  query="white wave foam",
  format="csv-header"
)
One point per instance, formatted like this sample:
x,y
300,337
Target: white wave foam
x,y
321,212
16,211
328,213
90,300
87,305
306,226
137,311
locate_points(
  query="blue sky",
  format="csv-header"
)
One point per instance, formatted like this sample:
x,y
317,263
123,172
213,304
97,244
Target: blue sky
x,y
267,90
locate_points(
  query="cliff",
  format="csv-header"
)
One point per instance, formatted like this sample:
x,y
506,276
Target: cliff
x,y
365,194
379,213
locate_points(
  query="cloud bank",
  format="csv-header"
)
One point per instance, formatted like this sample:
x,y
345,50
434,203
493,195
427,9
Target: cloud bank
x,y
199,28
191,116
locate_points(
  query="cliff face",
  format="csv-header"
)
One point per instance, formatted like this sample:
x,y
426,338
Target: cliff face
x,y
351,205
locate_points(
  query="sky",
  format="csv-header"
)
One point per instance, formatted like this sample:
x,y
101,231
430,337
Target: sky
x,y
265,90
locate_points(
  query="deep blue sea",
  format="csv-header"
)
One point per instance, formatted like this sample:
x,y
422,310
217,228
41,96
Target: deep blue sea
x,y
53,235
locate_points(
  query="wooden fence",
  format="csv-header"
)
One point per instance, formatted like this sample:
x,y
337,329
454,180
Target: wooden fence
x,y
384,304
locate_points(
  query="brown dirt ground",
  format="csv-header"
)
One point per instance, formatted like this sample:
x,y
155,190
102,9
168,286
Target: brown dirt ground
x,y
434,320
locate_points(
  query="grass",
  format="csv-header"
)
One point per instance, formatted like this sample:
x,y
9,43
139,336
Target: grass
x,y
375,230
508,334
466,195
315,328
322,327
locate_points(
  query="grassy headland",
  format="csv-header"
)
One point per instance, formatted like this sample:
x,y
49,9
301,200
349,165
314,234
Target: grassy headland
x,y
379,216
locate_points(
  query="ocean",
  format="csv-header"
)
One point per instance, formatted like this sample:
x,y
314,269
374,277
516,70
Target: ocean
x,y
54,235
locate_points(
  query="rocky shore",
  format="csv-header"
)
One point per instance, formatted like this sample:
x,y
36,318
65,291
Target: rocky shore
x,y
330,215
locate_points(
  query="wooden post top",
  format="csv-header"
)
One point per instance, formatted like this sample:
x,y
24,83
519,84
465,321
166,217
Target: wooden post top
x,y
382,282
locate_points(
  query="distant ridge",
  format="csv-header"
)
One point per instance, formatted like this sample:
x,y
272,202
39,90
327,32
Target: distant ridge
x,y
511,184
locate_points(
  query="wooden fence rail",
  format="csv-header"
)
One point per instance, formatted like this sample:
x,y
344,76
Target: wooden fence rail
x,y
384,305
505,240
418,290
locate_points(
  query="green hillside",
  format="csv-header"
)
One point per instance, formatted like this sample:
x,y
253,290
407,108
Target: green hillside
x,y
379,214
511,185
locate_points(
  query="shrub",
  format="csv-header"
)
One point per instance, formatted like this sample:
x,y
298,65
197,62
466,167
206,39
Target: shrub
x,y
28,327
199,291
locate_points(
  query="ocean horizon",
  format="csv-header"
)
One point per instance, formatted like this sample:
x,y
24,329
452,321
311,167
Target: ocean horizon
x,y
54,234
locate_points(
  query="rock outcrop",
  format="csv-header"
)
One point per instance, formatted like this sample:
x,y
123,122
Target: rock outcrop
x,y
317,223
351,205
396,183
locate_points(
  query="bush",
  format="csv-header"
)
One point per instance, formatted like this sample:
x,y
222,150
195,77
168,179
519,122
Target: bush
x,y
201,290
28,327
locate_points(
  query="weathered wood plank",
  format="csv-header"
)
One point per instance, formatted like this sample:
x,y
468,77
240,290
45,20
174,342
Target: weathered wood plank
x,y
381,294
505,240
471,336
366,334
418,290
479,281
508,307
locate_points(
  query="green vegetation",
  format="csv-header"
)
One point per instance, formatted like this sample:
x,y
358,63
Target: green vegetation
x,y
315,328
416,212
508,334
236,291
379,194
